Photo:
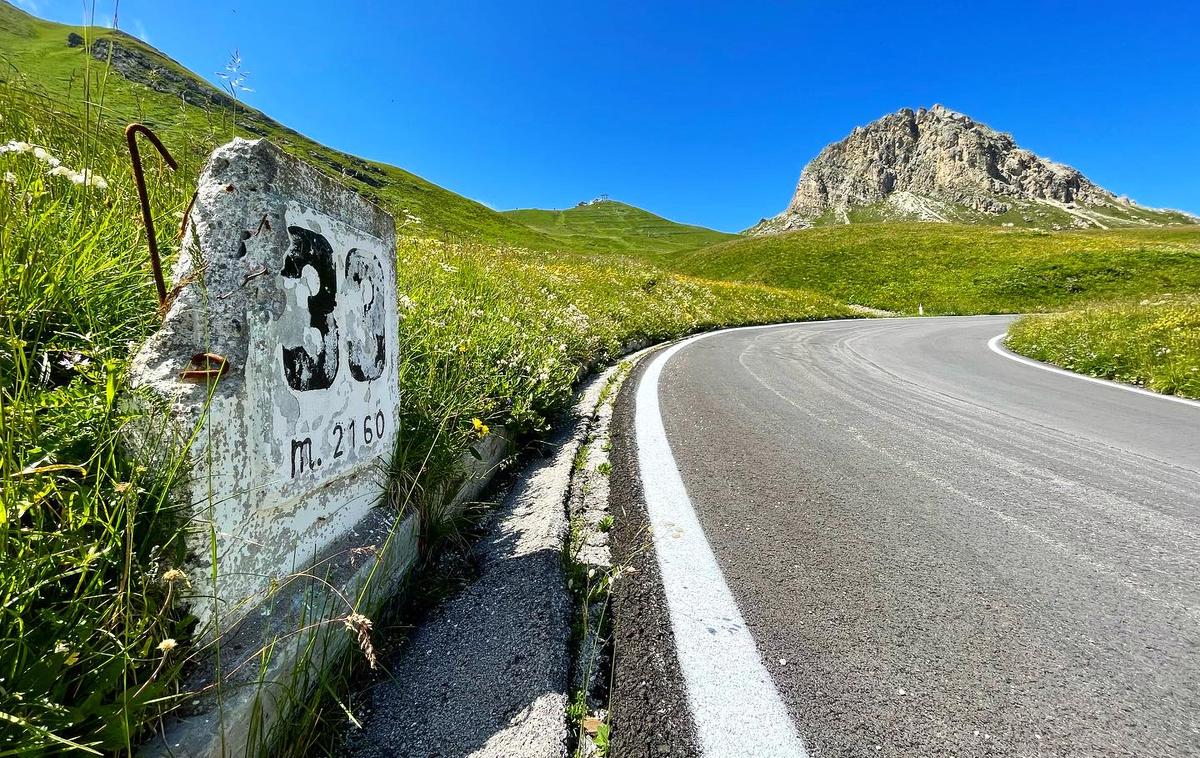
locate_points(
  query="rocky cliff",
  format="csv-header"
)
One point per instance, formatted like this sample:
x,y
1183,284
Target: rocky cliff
x,y
938,165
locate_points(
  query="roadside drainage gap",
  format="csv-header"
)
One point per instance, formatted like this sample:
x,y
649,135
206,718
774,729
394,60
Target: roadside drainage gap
x,y
590,575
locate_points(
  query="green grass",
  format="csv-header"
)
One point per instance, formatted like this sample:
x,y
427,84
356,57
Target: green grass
x,y
1022,214
1154,343
34,55
490,330
611,226
86,535
955,268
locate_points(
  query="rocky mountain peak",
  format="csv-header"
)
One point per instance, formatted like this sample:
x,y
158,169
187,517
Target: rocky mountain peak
x,y
936,164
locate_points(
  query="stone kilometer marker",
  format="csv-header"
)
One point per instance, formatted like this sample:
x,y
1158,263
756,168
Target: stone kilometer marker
x,y
291,278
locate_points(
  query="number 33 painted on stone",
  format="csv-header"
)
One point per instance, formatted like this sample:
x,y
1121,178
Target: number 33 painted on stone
x,y
365,337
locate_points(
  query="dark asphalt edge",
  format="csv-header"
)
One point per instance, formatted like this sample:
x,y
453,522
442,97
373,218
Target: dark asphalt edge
x,y
648,699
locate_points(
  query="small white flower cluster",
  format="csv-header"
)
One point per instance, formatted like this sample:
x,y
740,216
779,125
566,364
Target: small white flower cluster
x,y
15,146
86,177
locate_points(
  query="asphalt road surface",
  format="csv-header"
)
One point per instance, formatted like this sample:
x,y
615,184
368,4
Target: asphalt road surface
x,y
934,549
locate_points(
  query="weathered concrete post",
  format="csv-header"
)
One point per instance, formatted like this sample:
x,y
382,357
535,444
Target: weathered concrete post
x,y
290,279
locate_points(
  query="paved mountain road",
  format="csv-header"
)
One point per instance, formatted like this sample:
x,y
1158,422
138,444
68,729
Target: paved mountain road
x,y
936,549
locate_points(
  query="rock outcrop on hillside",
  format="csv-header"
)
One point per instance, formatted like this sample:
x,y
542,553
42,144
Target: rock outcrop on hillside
x,y
938,165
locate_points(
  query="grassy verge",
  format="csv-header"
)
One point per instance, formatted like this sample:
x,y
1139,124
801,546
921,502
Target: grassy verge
x,y
1153,343
954,269
87,537
92,638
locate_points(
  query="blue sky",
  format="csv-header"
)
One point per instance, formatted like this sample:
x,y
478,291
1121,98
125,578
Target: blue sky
x,y
701,112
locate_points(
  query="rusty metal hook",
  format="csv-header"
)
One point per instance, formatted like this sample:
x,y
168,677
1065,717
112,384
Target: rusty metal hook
x,y
139,179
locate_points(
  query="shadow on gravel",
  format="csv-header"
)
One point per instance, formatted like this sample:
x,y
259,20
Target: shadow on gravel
x,y
487,671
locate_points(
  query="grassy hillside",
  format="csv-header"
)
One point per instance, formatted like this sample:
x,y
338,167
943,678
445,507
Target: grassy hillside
x,y
1030,214
1154,343
192,115
608,225
958,269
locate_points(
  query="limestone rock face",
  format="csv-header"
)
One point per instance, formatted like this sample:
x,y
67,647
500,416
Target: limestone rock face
x,y
938,165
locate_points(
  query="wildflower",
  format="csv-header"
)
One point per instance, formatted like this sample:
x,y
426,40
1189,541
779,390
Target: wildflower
x,y
71,360
93,179
167,645
10,177
361,626
480,427
122,487
42,155
174,575
404,302
61,647
86,177
13,146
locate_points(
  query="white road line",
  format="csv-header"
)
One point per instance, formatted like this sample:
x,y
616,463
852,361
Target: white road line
x,y
997,346
736,707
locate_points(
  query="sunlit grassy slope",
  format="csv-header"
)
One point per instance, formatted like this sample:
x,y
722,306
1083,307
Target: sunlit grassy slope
x,y
609,225
1154,342
1033,214
956,268
178,104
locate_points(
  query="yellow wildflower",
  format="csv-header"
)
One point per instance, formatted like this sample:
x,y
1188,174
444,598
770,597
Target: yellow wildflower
x,y
167,645
480,427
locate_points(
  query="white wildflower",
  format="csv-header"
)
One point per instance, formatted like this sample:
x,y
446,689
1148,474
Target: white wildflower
x,y
86,177
42,155
93,179
10,177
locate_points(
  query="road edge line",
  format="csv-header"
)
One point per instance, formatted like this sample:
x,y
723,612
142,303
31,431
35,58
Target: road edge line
x,y
735,705
995,344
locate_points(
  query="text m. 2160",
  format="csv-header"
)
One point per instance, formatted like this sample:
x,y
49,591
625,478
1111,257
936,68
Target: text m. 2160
x,y
350,433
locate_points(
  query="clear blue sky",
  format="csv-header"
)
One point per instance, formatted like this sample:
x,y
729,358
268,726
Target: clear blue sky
x,y
701,112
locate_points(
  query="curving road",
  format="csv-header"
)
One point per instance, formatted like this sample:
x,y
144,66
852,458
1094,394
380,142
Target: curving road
x,y
918,546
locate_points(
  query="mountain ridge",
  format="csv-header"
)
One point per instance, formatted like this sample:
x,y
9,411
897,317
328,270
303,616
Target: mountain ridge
x,y
940,165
